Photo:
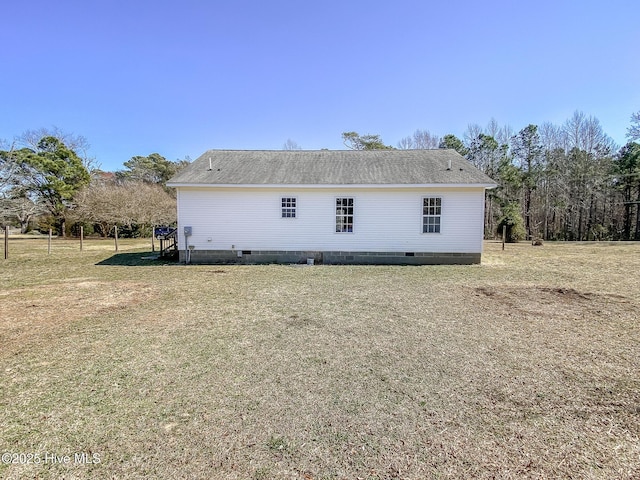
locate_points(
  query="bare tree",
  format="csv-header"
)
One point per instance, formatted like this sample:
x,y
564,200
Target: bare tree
x,y
472,132
291,145
108,203
551,136
421,139
586,133
6,171
21,209
406,143
492,129
633,132
574,196
502,134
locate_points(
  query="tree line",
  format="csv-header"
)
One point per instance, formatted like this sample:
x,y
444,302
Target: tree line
x,y
48,181
555,182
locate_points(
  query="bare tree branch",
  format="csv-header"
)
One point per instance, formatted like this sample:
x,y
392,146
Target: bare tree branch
x,y
633,132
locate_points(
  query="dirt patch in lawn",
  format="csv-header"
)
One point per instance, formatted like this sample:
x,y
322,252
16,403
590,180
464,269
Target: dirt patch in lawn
x,y
36,313
552,301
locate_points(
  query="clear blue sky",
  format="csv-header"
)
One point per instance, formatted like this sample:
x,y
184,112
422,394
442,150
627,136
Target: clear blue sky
x,y
180,77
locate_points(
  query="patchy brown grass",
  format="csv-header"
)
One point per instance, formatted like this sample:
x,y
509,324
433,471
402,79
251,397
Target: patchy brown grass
x,y
526,366
31,313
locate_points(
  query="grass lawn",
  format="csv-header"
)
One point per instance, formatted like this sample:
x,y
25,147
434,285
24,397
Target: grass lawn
x,y
525,366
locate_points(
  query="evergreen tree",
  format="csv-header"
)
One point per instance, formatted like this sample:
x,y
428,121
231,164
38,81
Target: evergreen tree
x,y
51,174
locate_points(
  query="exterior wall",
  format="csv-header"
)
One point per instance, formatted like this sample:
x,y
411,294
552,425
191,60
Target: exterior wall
x,y
386,220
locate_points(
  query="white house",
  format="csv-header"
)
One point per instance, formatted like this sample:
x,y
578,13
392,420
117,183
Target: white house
x,y
365,207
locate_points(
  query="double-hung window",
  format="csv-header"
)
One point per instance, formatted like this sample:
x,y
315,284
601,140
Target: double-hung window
x,y
431,214
344,215
289,207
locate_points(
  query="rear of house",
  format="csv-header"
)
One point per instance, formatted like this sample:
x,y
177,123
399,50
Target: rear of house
x,y
335,207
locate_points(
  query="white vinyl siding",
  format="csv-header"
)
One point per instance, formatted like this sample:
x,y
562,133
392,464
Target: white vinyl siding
x,y
388,220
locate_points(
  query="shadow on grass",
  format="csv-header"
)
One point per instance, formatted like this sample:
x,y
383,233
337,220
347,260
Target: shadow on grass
x,y
139,259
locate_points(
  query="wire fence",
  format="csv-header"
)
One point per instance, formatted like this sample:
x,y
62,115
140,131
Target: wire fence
x,y
13,242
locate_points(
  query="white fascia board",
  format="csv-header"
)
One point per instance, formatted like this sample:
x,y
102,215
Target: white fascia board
x,y
341,185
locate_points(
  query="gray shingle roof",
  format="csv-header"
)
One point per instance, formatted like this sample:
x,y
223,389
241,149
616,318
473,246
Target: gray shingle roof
x,y
330,167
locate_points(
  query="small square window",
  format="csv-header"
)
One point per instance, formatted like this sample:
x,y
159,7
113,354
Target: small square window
x,y
289,207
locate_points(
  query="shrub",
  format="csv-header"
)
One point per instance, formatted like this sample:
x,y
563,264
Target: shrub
x,y
512,219
87,229
46,222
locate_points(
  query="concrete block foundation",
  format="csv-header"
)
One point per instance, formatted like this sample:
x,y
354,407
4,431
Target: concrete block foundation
x,y
329,257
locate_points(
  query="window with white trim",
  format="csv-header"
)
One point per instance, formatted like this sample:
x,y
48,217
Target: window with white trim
x,y
289,207
344,215
431,214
